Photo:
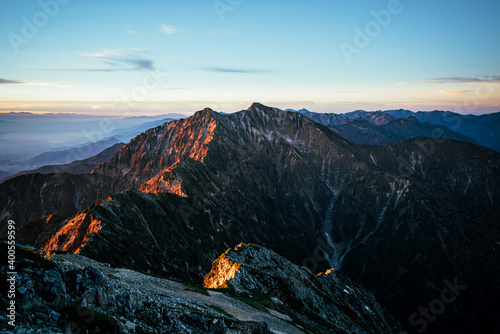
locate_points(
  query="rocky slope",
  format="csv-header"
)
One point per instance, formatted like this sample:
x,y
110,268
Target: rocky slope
x,y
443,163
278,179
328,302
71,293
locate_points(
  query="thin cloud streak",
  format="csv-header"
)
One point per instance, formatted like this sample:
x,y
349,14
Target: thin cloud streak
x,y
457,93
479,80
10,82
31,83
116,58
231,70
471,80
113,60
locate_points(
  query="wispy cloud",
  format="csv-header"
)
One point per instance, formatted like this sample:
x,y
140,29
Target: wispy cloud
x,y
108,60
118,60
471,80
231,70
168,29
31,83
132,31
457,93
10,82
478,80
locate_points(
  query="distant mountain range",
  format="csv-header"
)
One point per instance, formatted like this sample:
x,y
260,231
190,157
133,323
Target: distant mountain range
x,y
77,166
72,154
408,220
389,126
62,125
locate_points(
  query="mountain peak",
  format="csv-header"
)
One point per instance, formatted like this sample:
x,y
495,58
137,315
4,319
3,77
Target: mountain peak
x,y
204,111
257,106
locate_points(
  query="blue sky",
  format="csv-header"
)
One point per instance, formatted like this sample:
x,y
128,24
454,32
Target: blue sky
x,y
151,57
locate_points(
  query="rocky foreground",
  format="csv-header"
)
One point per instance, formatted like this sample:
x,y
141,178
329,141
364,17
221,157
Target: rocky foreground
x,y
253,290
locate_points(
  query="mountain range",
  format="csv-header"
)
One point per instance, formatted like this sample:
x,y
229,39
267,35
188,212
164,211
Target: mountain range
x,y
76,166
389,126
30,141
407,221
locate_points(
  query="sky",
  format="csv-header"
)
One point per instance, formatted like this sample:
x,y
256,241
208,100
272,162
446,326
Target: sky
x,y
154,57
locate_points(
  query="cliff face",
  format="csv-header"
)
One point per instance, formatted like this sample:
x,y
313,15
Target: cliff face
x,y
280,180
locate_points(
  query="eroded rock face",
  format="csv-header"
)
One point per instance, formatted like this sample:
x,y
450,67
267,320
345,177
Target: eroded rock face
x,y
341,305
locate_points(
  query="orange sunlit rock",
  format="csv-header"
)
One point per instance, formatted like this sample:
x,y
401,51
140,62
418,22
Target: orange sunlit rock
x,y
74,235
162,183
328,272
185,138
223,270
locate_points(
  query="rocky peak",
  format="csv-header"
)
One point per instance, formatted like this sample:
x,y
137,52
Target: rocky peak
x,y
206,110
262,111
257,106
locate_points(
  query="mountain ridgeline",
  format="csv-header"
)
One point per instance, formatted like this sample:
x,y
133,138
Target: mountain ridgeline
x,y
404,220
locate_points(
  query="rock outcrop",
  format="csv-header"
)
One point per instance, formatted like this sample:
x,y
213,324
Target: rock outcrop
x,y
324,303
